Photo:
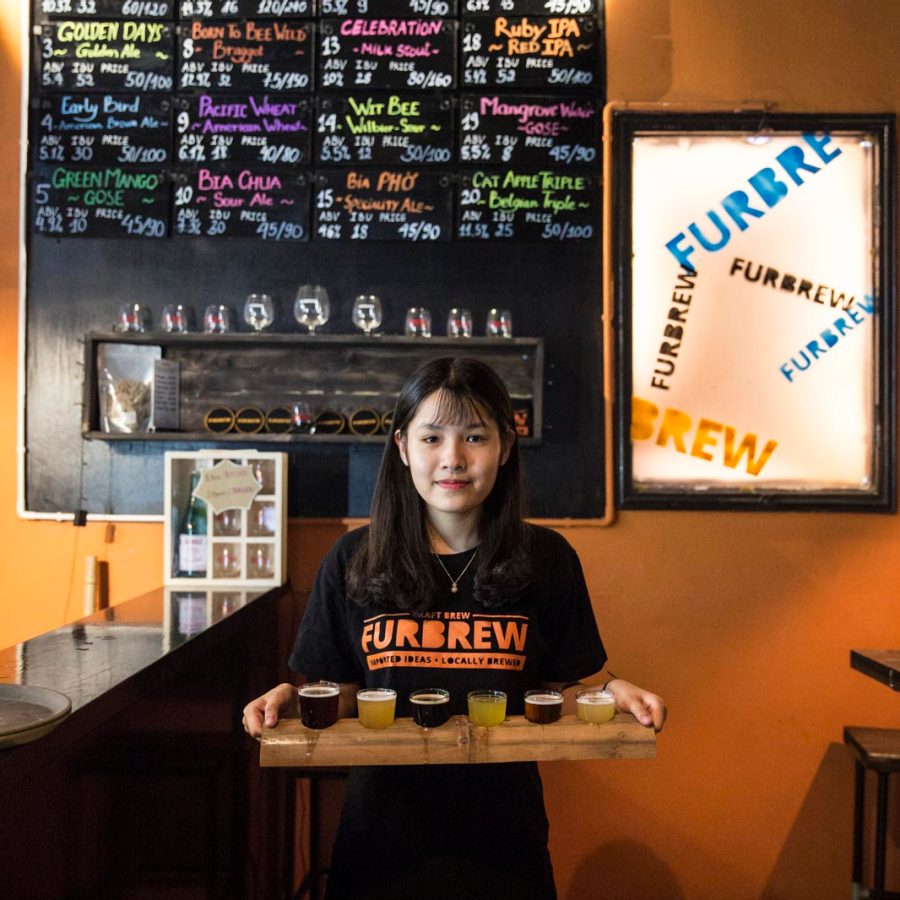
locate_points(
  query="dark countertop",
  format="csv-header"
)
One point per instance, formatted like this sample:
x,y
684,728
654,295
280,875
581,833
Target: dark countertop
x,y
87,658
157,685
882,665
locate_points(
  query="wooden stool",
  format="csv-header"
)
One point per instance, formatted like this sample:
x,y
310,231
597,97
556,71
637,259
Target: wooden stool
x,y
877,749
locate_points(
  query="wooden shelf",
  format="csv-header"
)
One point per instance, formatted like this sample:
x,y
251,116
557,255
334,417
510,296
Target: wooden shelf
x,y
347,743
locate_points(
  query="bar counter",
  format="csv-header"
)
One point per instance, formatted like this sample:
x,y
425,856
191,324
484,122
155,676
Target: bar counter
x,y
151,764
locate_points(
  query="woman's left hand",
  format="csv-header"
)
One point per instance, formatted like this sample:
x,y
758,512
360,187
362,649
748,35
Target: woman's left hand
x,y
647,708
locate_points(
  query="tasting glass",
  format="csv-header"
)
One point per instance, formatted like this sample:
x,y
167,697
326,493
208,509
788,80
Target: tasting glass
x,y
259,560
312,306
227,523
227,560
303,418
595,705
132,317
418,322
217,319
367,312
375,707
487,708
499,323
259,311
176,318
459,323
319,704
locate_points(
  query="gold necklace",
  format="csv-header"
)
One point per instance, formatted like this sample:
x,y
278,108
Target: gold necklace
x,y
455,581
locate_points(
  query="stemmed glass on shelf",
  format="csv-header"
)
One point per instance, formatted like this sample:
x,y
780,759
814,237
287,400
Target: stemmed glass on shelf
x,y
367,312
259,311
312,307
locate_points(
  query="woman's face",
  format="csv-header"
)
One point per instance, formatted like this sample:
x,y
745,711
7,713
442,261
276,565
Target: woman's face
x,y
453,464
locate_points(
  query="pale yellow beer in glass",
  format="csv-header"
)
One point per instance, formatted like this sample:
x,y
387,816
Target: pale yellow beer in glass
x,y
487,708
595,705
375,707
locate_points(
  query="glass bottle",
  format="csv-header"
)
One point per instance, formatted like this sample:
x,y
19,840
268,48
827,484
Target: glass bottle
x,y
192,536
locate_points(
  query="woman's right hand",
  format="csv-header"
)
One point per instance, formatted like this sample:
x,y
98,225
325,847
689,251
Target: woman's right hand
x,y
268,708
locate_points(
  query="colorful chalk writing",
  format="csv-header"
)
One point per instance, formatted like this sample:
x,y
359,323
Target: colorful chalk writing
x,y
101,202
249,55
245,128
242,202
524,51
529,7
529,130
383,204
237,9
103,129
527,205
391,54
384,129
108,9
392,8
127,55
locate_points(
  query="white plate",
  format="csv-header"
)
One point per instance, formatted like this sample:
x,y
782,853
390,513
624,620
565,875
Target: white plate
x,y
27,712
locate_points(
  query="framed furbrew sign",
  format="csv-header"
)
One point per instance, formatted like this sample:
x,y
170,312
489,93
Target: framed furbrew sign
x,y
754,298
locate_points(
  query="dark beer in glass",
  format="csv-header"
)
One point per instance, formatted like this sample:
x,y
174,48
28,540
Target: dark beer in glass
x,y
431,707
543,707
319,704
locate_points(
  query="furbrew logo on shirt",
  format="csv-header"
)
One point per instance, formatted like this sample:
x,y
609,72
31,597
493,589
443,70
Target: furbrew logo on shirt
x,y
445,640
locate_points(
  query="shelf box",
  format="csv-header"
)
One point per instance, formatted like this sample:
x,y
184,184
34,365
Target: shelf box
x,y
244,543
339,373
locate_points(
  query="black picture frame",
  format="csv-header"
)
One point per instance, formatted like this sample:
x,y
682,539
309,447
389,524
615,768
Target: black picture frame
x,y
626,125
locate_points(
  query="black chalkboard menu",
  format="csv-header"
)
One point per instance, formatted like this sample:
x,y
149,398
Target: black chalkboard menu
x,y
383,205
387,53
107,9
526,51
531,7
242,202
103,129
109,55
225,128
521,129
248,55
202,150
385,129
516,204
235,9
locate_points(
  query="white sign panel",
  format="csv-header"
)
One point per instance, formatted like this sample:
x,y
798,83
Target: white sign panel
x,y
754,312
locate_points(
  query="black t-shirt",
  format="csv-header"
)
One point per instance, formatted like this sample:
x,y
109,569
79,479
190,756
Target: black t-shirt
x,y
445,814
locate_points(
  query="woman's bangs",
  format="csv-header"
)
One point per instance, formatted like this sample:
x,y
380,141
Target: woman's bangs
x,y
456,408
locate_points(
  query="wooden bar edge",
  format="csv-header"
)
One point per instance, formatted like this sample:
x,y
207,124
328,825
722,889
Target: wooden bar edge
x,y
347,743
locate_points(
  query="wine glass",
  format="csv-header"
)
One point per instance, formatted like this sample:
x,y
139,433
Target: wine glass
x,y
418,322
259,312
499,323
367,312
312,307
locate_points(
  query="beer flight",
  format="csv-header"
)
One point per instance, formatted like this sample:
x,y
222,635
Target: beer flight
x,y
431,706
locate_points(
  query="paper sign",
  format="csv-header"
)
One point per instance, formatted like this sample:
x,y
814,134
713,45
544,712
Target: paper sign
x,y
227,486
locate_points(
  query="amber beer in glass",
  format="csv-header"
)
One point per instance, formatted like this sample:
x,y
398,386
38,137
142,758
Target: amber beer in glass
x,y
375,707
487,708
430,706
595,705
319,704
543,707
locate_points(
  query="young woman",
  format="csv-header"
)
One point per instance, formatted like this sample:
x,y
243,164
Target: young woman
x,y
448,587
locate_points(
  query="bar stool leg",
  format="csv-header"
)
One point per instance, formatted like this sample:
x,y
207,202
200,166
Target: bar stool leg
x,y
880,835
859,803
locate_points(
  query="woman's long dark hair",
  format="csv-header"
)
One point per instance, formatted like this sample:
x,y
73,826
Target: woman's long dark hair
x,y
394,567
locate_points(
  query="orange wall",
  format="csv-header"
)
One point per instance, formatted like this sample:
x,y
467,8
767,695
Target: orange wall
x,y
743,621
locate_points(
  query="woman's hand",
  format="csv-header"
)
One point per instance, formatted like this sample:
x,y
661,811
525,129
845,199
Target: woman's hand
x,y
647,708
267,709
